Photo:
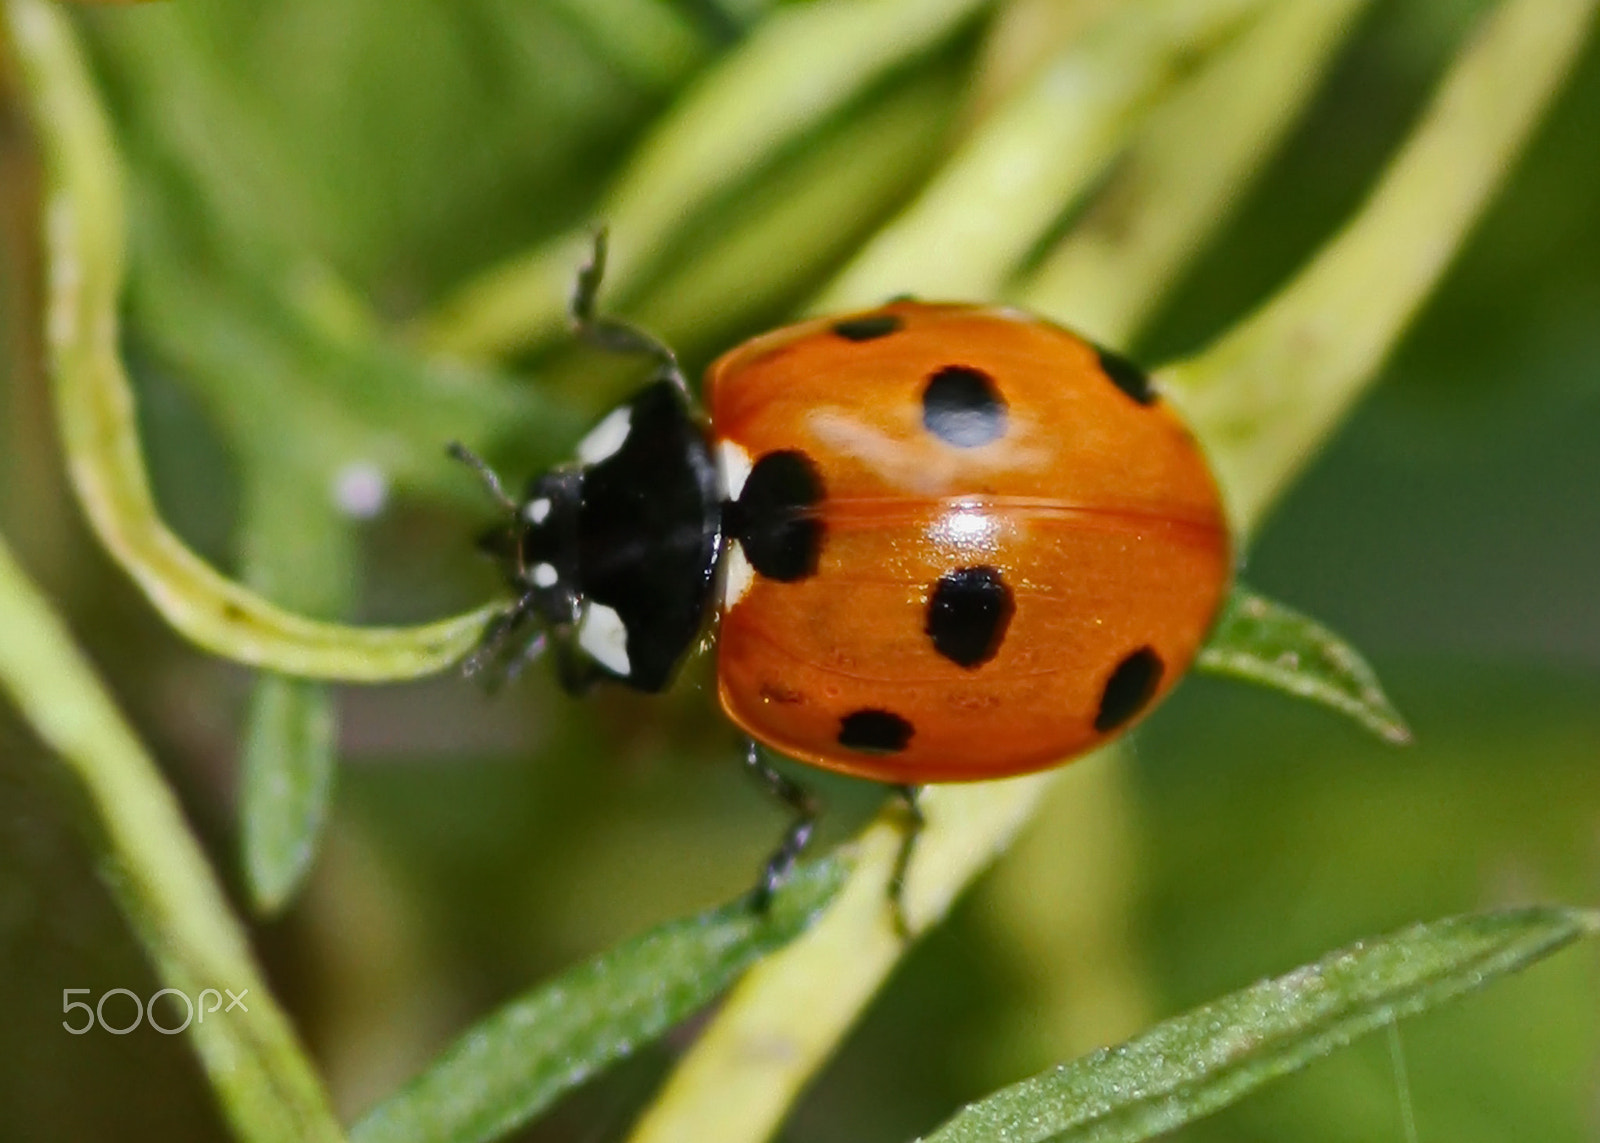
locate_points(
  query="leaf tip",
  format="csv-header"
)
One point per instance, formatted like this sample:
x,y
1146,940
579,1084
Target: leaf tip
x,y
1395,732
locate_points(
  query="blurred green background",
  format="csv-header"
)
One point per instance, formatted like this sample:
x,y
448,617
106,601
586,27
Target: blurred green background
x,y
1452,531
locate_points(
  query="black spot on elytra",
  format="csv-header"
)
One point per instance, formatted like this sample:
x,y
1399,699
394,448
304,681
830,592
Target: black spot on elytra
x,y
968,613
868,328
874,732
1129,689
1127,376
775,519
963,407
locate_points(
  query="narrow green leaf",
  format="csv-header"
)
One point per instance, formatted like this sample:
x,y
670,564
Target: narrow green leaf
x,y
158,874
798,67
1268,643
1265,393
95,407
1202,1061
300,550
815,209
654,44
1182,178
287,775
978,219
508,1067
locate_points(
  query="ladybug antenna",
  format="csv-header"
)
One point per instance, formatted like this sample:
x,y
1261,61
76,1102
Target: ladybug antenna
x,y
490,478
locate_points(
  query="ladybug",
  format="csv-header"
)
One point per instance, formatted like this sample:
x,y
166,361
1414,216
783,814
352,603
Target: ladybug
x,y
940,542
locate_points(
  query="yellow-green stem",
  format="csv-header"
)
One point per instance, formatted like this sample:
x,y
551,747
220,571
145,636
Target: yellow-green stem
x,y
160,876
85,236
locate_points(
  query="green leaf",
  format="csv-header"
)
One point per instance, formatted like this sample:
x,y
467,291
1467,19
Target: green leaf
x,y
1268,643
301,551
1265,393
288,779
1010,183
1181,179
798,68
815,207
651,43
508,1067
1200,1062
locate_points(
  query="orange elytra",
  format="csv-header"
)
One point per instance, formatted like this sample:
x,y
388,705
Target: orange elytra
x,y
961,542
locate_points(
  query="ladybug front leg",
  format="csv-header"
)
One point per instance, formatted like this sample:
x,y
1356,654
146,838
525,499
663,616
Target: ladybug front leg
x,y
805,808
611,334
491,660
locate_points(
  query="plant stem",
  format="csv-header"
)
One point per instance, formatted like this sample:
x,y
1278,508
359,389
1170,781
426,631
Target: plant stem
x,y
85,237
159,875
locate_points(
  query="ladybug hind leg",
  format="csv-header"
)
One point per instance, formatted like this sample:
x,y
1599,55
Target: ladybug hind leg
x,y
611,334
798,799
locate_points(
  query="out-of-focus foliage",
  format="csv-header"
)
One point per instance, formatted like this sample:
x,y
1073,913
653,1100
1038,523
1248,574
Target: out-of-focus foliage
x,y
305,173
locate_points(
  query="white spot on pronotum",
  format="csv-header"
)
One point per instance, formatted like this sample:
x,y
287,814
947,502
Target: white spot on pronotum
x,y
360,490
545,575
737,575
733,469
535,511
604,636
606,437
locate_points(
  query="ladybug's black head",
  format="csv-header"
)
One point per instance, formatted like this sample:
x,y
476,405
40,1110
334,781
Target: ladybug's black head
x,y
541,559
614,554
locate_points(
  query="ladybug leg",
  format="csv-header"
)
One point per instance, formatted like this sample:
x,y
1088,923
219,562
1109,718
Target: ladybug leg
x,y
488,657
610,334
805,808
915,821
530,651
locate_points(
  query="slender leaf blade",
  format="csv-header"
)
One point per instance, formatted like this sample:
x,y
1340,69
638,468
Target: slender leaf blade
x,y
288,772
794,71
1265,393
300,551
1200,1062
1268,643
508,1067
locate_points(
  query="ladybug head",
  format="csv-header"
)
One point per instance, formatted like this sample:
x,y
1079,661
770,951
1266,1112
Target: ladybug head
x,y
540,553
537,549
614,554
